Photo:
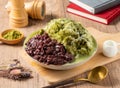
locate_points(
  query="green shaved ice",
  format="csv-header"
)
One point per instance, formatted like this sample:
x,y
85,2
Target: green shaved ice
x,y
76,39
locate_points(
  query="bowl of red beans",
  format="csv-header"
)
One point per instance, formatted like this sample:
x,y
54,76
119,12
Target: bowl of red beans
x,y
50,51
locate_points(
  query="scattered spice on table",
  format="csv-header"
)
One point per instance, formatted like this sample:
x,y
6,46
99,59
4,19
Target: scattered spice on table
x,y
13,34
15,71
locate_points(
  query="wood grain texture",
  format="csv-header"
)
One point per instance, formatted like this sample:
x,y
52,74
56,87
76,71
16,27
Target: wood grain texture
x,y
55,9
99,59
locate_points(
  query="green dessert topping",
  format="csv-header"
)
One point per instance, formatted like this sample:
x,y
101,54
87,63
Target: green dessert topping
x,y
12,35
76,39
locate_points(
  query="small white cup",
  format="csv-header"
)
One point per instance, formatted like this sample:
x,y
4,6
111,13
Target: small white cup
x,y
110,48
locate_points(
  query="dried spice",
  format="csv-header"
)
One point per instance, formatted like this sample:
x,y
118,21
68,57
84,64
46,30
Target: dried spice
x,y
15,71
48,51
19,74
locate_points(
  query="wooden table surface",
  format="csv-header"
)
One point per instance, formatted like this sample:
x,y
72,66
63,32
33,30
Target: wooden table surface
x,y
55,9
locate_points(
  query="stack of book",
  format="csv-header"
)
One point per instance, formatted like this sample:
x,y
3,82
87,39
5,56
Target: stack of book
x,y
103,11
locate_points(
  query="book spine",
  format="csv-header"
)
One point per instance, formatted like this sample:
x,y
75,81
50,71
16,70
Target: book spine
x,y
105,6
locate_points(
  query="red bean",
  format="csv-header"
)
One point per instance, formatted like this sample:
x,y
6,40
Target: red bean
x,y
48,51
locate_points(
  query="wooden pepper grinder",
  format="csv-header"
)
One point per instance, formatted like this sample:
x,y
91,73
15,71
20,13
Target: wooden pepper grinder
x,y
35,9
18,16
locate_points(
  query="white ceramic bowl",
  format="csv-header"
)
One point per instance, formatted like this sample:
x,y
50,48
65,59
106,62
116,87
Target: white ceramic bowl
x,y
67,66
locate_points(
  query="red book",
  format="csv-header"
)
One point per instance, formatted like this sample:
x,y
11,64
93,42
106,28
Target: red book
x,y
104,17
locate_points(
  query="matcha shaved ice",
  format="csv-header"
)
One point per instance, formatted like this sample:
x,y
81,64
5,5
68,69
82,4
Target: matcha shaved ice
x,y
76,39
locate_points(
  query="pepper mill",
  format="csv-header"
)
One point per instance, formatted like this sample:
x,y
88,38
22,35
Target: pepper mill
x,y
18,16
35,9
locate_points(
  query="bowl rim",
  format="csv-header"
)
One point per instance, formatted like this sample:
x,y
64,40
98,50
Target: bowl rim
x,y
7,30
66,64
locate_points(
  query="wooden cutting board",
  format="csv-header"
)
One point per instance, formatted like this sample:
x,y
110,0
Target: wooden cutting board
x,y
99,59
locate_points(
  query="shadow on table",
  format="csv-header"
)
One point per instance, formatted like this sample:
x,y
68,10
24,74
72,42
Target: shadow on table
x,y
15,45
39,22
109,82
81,84
115,21
104,83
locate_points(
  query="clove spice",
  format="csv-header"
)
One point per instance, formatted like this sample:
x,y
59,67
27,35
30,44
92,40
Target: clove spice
x,y
15,71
